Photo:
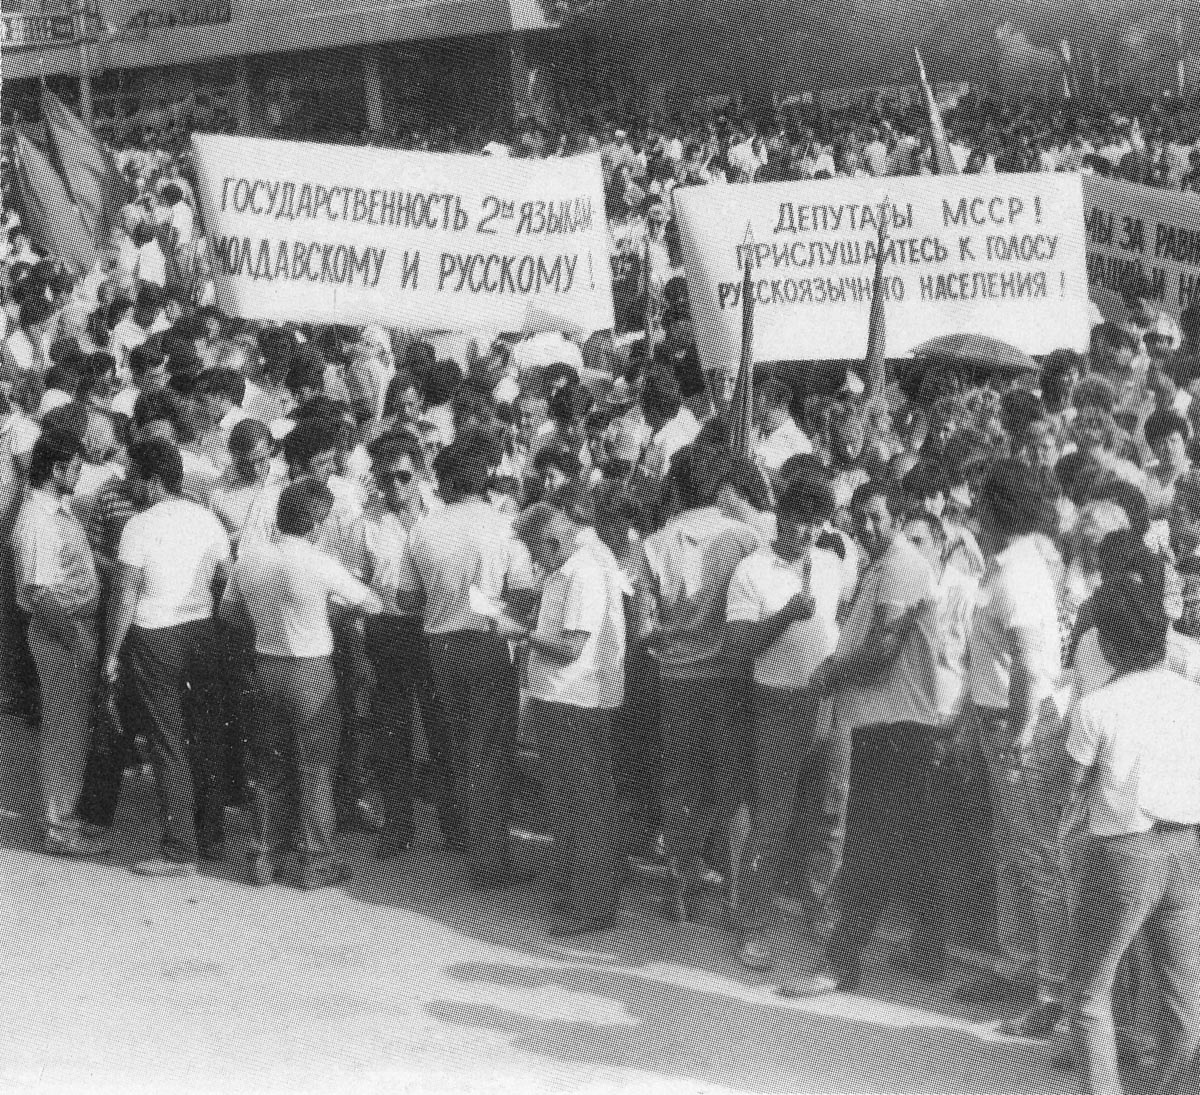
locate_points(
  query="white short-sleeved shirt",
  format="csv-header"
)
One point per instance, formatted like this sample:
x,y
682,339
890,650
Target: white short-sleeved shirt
x,y
179,547
762,584
285,586
51,551
585,594
1016,591
1141,735
907,690
789,440
956,594
466,544
379,539
681,431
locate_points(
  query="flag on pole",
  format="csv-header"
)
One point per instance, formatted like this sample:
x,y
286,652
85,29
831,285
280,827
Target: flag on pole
x,y
741,409
87,167
876,362
943,162
46,209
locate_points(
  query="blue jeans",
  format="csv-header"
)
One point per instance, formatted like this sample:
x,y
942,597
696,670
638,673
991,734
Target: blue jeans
x,y
1147,881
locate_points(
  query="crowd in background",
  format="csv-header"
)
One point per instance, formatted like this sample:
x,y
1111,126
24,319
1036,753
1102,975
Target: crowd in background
x,y
261,555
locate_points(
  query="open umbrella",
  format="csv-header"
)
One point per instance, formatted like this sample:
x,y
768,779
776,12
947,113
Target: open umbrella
x,y
979,353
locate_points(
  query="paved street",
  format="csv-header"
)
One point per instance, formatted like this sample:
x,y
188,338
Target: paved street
x,y
405,981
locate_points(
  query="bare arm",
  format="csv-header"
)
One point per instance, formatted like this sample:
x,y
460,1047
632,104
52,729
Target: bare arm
x,y
122,605
890,628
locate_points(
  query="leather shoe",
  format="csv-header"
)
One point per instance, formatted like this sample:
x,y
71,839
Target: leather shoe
x,y
161,867
564,926
74,845
1038,1023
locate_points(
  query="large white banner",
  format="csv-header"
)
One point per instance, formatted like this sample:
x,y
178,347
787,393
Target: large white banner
x,y
1141,239
334,234
999,255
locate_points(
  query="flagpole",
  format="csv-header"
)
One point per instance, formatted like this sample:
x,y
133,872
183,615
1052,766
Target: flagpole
x,y
86,108
741,438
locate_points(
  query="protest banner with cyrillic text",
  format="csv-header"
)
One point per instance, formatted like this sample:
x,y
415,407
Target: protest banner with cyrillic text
x,y
336,234
998,255
1144,241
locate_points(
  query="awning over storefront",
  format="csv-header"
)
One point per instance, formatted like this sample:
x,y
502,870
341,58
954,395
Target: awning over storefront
x,y
140,33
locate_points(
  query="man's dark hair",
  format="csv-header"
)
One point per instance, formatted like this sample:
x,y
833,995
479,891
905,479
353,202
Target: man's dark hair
x,y
462,467
557,456
575,500
69,418
389,447
881,487
1127,496
926,479
441,382
747,479
1129,605
698,472
307,374
302,505
1013,495
1163,423
223,383
144,359
62,379
310,438
161,406
158,459
661,395
248,433
35,310
808,497
53,447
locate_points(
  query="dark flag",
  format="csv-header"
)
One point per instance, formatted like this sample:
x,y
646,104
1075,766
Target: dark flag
x,y
46,209
88,167
943,162
741,409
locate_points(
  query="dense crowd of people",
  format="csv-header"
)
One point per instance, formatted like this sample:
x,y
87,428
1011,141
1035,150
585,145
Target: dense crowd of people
x,y
263,555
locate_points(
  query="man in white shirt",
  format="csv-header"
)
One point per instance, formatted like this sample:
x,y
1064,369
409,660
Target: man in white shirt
x,y
672,425
147,318
399,650
884,683
57,587
284,589
1132,757
576,677
956,595
27,349
1014,662
171,556
779,438
704,729
782,615
466,545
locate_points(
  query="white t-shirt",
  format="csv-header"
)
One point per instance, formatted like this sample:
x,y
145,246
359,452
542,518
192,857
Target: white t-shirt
x,y
585,594
682,430
907,690
285,586
762,584
1141,735
789,440
179,547
1016,591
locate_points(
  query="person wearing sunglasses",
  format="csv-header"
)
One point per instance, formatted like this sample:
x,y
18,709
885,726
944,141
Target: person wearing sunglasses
x,y
398,650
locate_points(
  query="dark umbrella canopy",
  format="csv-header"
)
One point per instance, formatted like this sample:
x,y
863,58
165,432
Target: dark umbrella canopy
x,y
977,352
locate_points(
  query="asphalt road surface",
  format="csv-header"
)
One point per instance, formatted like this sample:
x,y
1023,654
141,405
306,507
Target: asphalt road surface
x,y
405,981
